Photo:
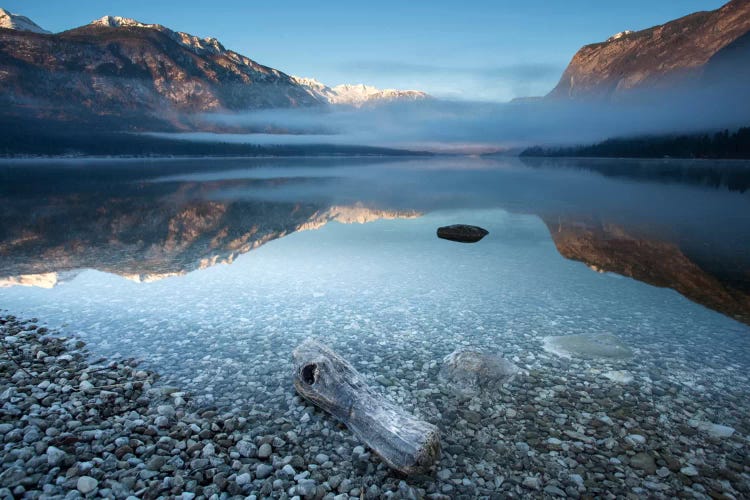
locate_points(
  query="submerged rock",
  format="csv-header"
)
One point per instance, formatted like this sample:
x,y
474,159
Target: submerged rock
x,y
715,430
644,461
469,372
621,376
588,346
462,233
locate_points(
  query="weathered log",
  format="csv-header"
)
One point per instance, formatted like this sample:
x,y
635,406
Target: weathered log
x,y
324,378
462,233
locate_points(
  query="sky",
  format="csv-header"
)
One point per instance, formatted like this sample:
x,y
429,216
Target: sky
x,y
477,50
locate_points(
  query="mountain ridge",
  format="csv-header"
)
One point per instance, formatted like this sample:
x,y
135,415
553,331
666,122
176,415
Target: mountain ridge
x,y
661,57
359,94
140,76
18,22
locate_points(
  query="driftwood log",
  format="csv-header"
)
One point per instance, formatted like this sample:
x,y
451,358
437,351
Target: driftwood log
x,y
462,233
324,378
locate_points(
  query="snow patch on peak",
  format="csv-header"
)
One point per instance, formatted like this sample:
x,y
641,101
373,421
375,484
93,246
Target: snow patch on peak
x,y
317,89
309,82
20,23
360,94
356,94
619,35
122,22
197,44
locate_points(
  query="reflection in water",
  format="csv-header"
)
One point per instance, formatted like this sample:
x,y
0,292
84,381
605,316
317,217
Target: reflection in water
x,y
671,224
610,247
147,232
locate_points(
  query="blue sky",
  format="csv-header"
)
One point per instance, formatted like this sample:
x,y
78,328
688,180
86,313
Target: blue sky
x,y
475,49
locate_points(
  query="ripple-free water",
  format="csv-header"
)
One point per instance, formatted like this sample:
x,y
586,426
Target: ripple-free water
x,y
376,289
394,299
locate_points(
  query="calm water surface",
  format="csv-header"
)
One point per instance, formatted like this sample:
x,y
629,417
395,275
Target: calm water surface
x,y
211,271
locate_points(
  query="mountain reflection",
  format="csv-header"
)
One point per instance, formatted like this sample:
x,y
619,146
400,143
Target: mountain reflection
x,y
150,231
606,247
670,225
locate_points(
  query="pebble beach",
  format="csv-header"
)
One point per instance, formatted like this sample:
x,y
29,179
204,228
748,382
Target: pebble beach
x,y
75,425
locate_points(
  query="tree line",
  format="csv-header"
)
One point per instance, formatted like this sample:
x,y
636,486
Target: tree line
x,y
720,145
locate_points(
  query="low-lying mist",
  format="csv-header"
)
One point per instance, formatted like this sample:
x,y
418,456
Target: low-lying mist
x,y
481,127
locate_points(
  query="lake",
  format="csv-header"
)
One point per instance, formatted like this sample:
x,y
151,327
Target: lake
x,y
211,271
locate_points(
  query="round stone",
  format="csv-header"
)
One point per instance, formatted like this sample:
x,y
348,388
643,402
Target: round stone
x,y
87,484
265,451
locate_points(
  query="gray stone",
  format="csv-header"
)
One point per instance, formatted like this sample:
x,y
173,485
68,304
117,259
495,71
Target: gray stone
x,y
532,482
689,471
643,461
635,439
444,474
554,491
86,484
247,449
165,410
306,488
156,462
55,456
262,471
265,451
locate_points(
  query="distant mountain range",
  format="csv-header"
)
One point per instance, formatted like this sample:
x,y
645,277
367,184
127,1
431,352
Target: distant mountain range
x,y
357,95
119,74
146,76
704,48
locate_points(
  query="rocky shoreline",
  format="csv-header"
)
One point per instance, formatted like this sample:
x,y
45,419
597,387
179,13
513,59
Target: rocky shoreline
x,y
72,426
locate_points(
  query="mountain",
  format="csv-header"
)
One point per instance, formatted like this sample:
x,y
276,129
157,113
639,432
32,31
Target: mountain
x,y
128,72
676,53
21,23
117,73
357,95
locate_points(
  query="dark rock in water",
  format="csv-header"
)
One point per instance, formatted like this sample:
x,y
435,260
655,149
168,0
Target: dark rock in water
x,y
469,372
462,233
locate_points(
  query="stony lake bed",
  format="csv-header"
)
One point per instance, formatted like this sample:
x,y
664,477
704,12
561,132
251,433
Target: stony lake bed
x,y
563,428
177,381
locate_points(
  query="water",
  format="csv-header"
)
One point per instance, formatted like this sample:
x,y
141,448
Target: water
x,y
211,271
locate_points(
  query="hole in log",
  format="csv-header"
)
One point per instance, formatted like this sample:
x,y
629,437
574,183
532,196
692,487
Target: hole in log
x,y
308,373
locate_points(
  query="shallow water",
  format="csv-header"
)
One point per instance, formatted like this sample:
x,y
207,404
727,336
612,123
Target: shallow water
x,y
212,271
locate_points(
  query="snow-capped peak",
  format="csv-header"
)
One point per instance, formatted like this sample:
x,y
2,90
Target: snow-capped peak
x,y
122,22
356,94
20,23
619,35
197,44
309,82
